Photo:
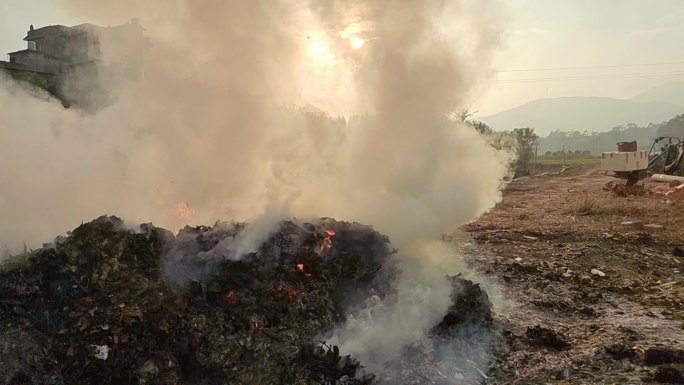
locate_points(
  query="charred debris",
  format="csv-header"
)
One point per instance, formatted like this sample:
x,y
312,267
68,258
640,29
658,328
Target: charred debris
x,y
110,305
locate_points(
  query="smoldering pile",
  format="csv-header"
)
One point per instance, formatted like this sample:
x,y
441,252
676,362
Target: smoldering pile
x,y
108,305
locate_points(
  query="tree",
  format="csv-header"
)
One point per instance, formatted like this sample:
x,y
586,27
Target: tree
x,y
463,114
526,141
481,127
673,127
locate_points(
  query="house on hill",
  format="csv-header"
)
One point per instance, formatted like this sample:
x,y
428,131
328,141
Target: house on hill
x,y
77,64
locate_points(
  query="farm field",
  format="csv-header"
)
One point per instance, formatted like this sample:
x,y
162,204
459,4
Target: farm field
x,y
590,299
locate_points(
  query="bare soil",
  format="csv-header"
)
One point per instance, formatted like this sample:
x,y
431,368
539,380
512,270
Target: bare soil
x,y
588,298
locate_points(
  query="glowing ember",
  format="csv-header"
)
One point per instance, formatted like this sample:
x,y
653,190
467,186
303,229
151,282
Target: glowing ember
x,y
183,210
256,323
292,292
289,290
28,290
300,266
327,241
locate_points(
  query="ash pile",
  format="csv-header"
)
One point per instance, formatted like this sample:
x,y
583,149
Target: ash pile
x,y
110,305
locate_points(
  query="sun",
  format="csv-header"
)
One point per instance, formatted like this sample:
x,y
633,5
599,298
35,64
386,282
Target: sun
x,y
317,49
320,52
357,42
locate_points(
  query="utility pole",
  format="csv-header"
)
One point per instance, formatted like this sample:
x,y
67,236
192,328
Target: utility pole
x,y
563,154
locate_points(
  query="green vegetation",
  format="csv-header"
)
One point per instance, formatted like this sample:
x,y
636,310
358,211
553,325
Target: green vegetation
x,y
673,127
571,147
598,142
568,157
527,142
569,161
523,141
30,79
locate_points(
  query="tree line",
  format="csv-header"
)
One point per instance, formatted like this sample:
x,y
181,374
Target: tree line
x,y
570,144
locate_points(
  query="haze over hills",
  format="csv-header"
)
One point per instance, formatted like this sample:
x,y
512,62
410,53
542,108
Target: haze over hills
x,y
672,92
592,113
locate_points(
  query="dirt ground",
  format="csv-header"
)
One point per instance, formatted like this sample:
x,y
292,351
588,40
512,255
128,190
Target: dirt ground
x,y
608,297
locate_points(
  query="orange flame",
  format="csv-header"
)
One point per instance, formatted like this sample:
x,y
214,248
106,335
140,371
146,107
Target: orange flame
x,y
300,266
327,241
183,210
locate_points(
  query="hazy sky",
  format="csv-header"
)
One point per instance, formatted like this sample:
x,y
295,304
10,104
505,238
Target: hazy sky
x,y
586,33
540,34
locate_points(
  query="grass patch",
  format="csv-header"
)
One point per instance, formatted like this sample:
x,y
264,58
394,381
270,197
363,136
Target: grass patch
x,y
584,205
570,161
588,205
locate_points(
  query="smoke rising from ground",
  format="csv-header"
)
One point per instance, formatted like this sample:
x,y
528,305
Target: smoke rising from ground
x,y
230,119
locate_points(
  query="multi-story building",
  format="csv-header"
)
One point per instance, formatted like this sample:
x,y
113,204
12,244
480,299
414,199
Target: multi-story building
x,y
79,63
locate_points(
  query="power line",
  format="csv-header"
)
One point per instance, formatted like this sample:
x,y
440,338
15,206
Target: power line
x,y
590,77
591,67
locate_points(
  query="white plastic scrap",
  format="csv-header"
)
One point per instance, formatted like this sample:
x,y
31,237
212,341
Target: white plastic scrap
x,y
100,352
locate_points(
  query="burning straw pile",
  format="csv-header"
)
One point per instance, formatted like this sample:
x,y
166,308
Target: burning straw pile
x,y
109,305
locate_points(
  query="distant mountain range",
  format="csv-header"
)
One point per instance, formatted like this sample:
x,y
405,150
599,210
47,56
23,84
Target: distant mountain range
x,y
593,113
669,92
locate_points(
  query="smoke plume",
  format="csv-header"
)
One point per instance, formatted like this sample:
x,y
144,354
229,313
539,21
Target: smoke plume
x,y
235,120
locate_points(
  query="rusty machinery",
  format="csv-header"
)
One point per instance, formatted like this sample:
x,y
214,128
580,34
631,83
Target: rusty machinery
x,y
663,157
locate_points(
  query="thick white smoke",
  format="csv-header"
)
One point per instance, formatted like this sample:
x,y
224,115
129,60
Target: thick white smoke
x,y
231,119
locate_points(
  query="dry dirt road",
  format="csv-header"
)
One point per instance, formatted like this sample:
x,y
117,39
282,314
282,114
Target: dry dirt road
x,y
589,299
